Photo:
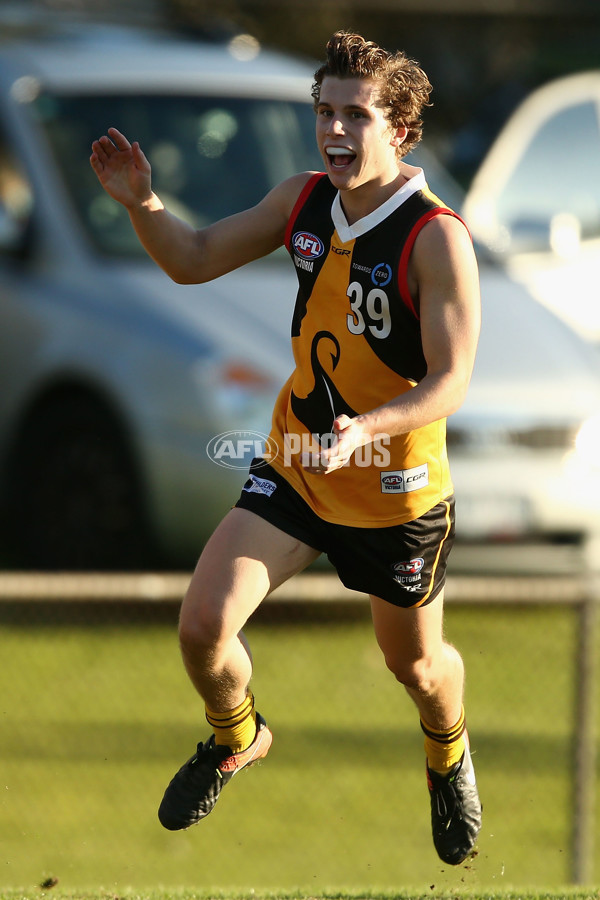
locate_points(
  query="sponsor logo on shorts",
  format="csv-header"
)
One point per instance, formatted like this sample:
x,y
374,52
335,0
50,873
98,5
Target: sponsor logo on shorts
x,y
256,485
403,481
408,573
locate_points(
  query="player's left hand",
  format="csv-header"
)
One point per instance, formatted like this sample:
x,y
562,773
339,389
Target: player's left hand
x,y
348,436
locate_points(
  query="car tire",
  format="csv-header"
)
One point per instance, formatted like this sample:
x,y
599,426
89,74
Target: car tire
x,y
75,501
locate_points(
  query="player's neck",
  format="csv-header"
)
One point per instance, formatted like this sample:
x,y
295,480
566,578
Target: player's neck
x,y
361,201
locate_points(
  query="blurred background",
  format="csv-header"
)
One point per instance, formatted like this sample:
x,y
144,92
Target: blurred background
x,y
130,407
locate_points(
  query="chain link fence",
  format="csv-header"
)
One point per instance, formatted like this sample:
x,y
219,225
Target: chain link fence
x,y
97,714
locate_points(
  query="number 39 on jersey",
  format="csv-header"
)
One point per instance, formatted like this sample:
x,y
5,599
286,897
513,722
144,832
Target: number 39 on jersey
x,y
370,310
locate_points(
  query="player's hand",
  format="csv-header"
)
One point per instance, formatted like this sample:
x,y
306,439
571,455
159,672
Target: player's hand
x,y
348,436
122,169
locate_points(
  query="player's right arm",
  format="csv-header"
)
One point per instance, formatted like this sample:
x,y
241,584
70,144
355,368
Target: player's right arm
x,y
189,255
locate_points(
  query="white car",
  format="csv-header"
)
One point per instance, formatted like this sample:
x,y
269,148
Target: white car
x,y
115,379
523,447
130,406
535,199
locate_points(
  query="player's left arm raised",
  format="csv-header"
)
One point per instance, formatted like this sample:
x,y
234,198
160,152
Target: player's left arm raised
x,y
443,276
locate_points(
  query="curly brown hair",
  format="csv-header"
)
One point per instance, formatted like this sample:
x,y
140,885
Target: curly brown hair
x,y
404,86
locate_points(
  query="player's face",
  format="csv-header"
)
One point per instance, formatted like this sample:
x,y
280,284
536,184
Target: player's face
x,y
356,140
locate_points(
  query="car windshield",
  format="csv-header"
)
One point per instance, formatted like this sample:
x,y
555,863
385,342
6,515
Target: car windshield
x,y
210,156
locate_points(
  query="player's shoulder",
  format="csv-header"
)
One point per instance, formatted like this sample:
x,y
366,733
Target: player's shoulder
x,y
443,228
442,248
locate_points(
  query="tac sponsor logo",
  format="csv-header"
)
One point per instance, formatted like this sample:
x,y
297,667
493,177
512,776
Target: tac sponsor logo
x,y
237,449
403,481
381,274
308,245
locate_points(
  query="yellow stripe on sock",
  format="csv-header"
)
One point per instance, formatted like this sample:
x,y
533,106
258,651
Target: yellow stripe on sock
x,y
444,748
234,728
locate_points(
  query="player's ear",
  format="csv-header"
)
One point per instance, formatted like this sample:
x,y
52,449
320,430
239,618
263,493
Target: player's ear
x,y
399,135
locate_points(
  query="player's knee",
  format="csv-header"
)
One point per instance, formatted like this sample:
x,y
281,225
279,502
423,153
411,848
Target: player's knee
x,y
417,674
200,630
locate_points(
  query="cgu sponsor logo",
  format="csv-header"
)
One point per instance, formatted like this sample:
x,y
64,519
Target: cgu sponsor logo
x,y
308,245
237,449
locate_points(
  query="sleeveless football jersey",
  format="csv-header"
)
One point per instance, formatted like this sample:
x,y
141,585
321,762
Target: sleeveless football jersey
x,y
357,344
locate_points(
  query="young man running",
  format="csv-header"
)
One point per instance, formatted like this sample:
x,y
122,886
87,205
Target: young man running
x,y
384,336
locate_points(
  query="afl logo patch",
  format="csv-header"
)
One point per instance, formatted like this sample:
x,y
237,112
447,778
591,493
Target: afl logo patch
x,y
408,573
308,245
409,567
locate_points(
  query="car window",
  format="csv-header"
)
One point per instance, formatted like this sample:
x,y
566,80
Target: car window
x,y
210,156
558,175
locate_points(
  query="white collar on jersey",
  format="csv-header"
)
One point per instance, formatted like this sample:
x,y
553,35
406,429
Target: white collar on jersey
x,y
350,232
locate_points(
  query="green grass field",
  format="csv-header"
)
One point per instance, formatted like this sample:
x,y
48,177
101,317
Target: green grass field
x,y
402,895
96,718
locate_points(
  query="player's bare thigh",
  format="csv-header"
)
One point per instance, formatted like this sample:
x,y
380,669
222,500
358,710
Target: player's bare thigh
x,y
243,561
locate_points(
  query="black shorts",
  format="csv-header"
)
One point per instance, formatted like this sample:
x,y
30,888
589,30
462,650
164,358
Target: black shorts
x,y
403,564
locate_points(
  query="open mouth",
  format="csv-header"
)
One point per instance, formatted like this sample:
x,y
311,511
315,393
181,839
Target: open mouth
x,y
340,157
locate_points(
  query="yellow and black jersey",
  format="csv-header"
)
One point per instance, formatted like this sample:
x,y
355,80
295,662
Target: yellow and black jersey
x,y
357,344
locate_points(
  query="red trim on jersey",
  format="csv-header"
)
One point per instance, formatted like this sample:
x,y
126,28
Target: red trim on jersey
x,y
306,190
406,251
